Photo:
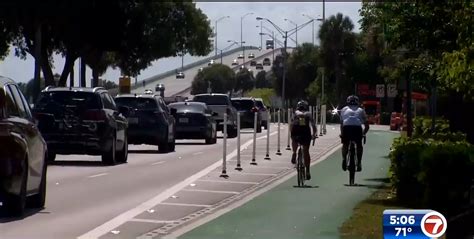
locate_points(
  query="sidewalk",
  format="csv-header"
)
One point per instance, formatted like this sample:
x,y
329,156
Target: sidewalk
x,y
287,212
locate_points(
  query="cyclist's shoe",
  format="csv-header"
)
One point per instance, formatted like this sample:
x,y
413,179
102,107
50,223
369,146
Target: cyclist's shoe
x,y
293,158
359,167
344,164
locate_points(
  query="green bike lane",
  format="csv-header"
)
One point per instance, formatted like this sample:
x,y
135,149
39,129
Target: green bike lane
x,y
286,211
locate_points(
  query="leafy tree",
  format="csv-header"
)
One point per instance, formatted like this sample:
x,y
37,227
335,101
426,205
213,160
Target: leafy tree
x,y
261,80
5,39
108,85
302,69
137,32
338,45
220,78
266,94
244,80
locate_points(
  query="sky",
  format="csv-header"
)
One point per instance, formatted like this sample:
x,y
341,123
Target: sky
x,y
227,29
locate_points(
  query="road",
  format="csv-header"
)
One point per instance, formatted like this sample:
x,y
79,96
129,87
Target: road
x,y
174,86
314,212
83,194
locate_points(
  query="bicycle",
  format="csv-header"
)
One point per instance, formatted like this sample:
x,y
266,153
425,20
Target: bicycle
x,y
351,166
300,167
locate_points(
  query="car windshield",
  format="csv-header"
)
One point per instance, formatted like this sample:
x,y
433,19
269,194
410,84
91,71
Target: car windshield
x,y
181,107
259,104
51,100
211,99
137,103
243,104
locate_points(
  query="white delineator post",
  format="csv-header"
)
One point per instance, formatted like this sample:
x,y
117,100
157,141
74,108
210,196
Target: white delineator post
x,y
267,156
224,153
239,168
254,138
288,124
321,123
278,147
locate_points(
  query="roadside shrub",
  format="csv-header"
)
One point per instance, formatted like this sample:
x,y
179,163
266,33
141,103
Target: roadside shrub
x,y
432,169
447,169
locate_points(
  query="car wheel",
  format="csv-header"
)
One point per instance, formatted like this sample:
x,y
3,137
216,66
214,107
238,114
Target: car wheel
x,y
39,200
259,127
122,156
163,146
51,156
172,146
16,203
108,158
232,133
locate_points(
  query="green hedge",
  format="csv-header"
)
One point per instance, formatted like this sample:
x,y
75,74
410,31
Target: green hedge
x,y
432,170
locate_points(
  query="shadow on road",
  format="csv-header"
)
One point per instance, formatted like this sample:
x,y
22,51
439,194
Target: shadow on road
x,y
382,180
77,163
372,186
194,143
145,151
5,218
306,186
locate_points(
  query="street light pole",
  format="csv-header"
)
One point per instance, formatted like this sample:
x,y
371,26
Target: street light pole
x,y
241,34
284,71
296,32
313,19
215,38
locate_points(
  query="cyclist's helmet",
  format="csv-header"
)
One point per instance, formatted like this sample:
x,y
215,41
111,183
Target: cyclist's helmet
x,y
302,105
352,100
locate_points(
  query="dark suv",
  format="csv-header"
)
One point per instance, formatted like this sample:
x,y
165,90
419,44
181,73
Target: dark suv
x,y
247,108
149,121
220,104
82,121
23,152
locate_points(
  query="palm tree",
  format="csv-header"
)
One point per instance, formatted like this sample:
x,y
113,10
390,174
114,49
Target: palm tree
x,y
337,40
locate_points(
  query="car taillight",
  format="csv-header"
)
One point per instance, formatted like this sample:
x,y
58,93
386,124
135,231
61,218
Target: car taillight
x,y
254,109
95,115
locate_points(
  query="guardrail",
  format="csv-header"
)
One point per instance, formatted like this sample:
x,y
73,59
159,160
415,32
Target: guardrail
x,y
189,66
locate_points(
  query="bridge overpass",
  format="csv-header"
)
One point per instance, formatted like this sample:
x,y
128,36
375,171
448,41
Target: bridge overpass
x,y
183,86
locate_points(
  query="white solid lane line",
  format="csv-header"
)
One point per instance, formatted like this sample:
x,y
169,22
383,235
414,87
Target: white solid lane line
x,y
97,175
126,216
209,191
159,162
198,153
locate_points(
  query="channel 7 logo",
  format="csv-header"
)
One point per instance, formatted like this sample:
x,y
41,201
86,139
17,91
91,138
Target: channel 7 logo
x,y
413,224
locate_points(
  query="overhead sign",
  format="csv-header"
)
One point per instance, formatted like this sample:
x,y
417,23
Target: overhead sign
x,y
380,90
391,90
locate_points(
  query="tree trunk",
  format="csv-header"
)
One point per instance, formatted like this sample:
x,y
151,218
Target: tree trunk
x,y
68,65
95,77
47,70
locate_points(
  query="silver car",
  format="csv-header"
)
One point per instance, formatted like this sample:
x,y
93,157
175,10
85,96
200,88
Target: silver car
x,y
262,109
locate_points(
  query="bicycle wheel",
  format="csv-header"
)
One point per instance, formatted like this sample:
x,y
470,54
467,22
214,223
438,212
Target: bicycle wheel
x,y
300,168
351,163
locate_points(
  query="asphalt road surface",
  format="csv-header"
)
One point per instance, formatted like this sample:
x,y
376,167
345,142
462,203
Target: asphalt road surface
x,y
82,194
